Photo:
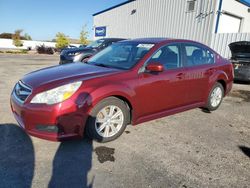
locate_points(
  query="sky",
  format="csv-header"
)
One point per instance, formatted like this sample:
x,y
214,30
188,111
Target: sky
x,y
42,19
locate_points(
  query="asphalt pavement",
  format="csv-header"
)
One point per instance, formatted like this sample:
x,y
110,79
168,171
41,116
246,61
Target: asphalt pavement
x,y
189,149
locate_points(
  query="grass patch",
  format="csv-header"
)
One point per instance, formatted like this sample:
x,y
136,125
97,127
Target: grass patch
x,y
15,51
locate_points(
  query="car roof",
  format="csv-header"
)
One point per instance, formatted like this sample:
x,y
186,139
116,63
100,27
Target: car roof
x,y
112,39
161,40
151,40
147,40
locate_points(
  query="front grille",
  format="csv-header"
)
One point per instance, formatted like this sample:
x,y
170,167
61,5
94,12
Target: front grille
x,y
22,91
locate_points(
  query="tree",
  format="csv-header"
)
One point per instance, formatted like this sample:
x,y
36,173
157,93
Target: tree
x,y
27,36
6,35
61,40
84,35
16,37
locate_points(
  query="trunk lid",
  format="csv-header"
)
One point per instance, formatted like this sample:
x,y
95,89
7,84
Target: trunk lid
x,y
240,51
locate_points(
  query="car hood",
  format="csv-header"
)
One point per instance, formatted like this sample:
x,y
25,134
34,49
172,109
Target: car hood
x,y
65,73
240,50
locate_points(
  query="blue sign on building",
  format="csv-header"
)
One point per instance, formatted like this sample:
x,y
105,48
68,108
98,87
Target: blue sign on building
x,y
100,31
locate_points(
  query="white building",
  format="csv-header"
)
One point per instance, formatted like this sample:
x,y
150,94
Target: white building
x,y
27,44
213,22
8,44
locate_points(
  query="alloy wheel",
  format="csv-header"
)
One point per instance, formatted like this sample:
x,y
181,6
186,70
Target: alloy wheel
x,y
109,121
216,97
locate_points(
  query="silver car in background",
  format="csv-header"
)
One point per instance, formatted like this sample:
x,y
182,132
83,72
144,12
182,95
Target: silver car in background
x,y
81,54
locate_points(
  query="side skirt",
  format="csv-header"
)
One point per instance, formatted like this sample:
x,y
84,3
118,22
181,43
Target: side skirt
x,y
167,112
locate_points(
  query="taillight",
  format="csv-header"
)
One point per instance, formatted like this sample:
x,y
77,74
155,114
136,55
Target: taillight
x,y
231,66
232,69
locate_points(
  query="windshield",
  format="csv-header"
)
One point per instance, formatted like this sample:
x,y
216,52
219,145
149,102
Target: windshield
x,y
120,55
95,44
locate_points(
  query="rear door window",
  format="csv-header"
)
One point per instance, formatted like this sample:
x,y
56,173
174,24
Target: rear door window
x,y
196,55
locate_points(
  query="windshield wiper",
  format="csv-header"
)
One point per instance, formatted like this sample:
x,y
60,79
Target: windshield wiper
x,y
107,66
102,65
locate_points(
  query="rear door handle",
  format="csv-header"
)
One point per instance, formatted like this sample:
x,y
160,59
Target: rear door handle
x,y
210,71
180,75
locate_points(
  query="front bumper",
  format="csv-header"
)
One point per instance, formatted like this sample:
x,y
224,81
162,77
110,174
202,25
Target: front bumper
x,y
68,117
65,59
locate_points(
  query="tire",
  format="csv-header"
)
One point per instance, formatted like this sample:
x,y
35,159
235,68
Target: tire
x,y
98,120
84,60
213,101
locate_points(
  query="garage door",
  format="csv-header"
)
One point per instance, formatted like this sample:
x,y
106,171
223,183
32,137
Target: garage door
x,y
229,24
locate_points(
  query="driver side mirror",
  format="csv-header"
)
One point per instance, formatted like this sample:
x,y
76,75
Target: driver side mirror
x,y
155,67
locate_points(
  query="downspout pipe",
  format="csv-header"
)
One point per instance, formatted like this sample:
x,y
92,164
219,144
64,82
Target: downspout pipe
x,y
218,17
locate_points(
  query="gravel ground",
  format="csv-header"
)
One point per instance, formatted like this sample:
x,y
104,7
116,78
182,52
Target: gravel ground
x,y
189,149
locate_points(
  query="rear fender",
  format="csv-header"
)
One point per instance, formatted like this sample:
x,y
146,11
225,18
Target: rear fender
x,y
218,75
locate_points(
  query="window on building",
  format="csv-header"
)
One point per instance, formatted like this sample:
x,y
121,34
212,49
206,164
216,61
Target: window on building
x,y
191,5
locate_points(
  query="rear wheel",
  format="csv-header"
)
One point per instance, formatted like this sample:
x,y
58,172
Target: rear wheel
x,y
107,120
215,97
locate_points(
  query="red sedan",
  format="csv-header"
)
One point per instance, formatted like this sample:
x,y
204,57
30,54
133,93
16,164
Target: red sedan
x,y
129,82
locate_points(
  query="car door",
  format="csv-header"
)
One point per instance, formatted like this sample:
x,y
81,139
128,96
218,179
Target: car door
x,y
199,63
165,90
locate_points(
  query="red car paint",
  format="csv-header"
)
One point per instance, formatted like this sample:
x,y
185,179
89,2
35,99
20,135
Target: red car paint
x,y
149,96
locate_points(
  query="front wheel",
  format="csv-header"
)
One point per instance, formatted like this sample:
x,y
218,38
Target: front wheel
x,y
215,97
107,120
85,59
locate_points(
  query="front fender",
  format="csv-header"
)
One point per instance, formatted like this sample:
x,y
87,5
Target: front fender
x,y
80,57
120,90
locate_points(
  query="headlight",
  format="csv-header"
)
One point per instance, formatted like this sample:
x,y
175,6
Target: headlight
x,y
74,53
56,95
78,53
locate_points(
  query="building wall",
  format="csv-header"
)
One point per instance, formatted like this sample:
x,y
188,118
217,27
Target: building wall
x,y
220,42
169,18
160,18
238,9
